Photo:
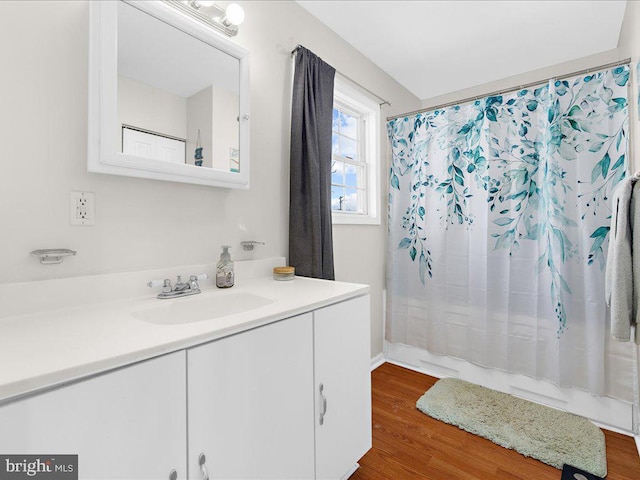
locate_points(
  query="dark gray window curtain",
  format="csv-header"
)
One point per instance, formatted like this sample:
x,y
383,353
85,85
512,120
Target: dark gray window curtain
x,y
310,237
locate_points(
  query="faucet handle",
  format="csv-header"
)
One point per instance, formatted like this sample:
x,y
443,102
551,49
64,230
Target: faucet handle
x,y
193,281
195,278
165,284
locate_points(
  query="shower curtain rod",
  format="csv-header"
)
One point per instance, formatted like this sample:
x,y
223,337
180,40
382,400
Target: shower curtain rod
x,y
384,102
511,89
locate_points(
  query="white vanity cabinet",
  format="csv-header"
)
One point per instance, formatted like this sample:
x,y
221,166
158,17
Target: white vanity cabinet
x,y
342,370
250,403
126,424
256,410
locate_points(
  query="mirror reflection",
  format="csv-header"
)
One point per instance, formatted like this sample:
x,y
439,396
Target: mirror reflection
x,y
178,97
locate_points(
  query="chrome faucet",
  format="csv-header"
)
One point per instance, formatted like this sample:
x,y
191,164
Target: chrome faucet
x,y
180,285
181,289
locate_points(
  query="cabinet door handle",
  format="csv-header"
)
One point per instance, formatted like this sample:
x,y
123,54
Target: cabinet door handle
x,y
324,404
173,475
203,468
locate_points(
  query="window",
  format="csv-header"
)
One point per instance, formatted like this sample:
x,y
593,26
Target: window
x,y
354,161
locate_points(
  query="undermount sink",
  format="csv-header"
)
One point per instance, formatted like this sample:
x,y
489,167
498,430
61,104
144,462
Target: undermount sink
x,y
200,308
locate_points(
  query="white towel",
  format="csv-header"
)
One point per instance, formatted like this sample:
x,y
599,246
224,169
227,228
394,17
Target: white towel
x,y
634,217
619,288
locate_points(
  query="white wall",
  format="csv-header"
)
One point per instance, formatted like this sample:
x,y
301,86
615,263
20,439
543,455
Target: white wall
x,y
226,108
513,82
629,46
143,106
147,224
199,117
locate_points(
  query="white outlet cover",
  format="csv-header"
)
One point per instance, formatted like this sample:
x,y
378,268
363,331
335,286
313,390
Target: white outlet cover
x,y
82,208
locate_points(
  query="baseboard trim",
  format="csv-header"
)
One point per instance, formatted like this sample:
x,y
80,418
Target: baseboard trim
x,y
377,361
609,413
611,428
351,471
423,370
438,374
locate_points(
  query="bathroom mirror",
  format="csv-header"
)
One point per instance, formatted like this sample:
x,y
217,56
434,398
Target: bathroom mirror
x,y
168,97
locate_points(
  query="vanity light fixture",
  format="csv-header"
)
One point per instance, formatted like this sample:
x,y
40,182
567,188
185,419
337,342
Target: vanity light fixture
x,y
201,3
208,12
233,15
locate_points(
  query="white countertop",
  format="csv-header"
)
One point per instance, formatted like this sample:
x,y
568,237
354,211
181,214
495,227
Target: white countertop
x,y
46,348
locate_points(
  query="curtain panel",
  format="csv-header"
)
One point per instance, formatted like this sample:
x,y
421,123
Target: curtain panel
x,y
499,213
310,234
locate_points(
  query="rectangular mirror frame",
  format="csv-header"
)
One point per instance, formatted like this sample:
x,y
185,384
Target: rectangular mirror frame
x,y
103,99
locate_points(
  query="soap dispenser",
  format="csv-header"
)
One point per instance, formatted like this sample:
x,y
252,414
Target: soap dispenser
x,y
224,269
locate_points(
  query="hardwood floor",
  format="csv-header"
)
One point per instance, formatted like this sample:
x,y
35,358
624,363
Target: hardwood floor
x,y
408,444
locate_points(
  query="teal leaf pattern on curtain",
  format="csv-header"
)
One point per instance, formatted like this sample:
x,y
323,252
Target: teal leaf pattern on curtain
x,y
534,157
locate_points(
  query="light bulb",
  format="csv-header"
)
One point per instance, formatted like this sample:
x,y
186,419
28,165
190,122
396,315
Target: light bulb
x,y
234,14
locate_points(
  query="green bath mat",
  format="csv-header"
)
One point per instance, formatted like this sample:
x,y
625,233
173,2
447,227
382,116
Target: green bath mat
x,y
544,433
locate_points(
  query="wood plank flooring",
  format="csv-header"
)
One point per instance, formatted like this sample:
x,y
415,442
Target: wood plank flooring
x,y
408,444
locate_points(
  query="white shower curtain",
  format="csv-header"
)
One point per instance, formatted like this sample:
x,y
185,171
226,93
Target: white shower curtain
x,y
499,214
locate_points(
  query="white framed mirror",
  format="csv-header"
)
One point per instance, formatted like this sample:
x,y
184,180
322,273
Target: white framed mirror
x,y
168,97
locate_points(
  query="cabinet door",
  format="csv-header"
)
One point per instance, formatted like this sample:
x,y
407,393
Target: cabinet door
x,y
127,424
343,386
250,403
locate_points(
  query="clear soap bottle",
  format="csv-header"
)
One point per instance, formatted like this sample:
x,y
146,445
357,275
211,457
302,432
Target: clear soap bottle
x,y
224,269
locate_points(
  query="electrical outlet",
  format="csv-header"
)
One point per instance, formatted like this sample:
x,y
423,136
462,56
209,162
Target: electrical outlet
x,y
82,208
